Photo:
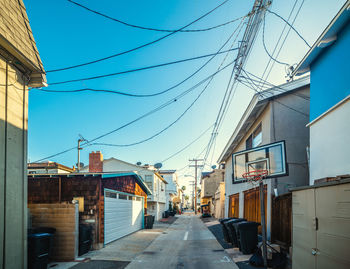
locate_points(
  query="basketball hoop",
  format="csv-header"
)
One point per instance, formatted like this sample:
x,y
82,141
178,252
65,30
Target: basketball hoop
x,y
256,175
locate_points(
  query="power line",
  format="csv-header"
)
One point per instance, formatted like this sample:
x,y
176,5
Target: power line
x,y
279,39
290,25
124,93
285,38
266,50
138,47
150,28
262,93
163,91
142,116
188,145
271,85
167,127
245,48
140,69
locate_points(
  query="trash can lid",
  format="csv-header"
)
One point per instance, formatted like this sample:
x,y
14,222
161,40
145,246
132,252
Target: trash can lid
x,y
223,220
38,235
247,224
235,220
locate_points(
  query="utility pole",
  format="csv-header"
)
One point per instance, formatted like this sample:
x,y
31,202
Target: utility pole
x,y
81,139
196,165
79,148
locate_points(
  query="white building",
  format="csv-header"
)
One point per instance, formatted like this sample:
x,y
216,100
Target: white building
x,y
156,202
171,188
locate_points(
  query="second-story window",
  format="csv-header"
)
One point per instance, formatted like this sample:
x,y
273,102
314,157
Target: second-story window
x,y
255,139
149,181
162,186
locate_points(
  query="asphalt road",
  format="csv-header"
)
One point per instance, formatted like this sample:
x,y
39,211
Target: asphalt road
x,y
185,244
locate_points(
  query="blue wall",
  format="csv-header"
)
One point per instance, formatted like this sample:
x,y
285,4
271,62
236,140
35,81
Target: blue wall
x,y
330,75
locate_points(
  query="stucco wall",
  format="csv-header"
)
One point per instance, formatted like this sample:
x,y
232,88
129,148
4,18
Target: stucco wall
x,y
330,144
329,79
13,167
290,125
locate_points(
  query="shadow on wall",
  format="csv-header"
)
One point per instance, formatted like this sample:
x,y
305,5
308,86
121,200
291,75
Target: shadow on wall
x,y
13,191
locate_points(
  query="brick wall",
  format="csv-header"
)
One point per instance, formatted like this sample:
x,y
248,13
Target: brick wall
x,y
64,218
96,162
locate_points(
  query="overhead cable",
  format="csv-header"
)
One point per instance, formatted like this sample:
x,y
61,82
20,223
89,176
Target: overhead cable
x,y
140,68
171,101
265,48
138,47
188,145
167,127
150,28
290,25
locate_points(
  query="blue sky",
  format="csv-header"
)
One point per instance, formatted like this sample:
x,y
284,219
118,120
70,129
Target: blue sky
x,y
66,35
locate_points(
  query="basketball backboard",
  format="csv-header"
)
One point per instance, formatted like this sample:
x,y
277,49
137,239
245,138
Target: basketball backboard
x,y
271,157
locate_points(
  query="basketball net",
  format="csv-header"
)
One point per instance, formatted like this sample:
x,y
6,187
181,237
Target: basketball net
x,y
254,177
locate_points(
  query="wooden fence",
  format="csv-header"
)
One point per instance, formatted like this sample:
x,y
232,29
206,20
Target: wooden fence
x,y
281,222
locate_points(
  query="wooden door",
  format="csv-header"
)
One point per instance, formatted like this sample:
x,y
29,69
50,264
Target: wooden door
x,y
233,210
252,205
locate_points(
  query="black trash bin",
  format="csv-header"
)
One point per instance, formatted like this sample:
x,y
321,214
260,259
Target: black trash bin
x,y
149,219
232,230
248,236
49,230
224,229
85,238
166,214
38,250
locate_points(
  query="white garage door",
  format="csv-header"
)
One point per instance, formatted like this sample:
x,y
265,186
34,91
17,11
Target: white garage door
x,y
123,215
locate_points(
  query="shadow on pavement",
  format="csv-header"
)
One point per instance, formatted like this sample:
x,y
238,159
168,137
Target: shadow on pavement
x,y
96,264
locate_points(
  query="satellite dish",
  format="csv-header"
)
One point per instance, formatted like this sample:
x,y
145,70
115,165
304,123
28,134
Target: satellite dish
x,y
213,166
158,165
139,163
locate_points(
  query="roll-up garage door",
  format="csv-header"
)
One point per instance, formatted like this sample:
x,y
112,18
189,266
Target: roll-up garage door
x,y
123,214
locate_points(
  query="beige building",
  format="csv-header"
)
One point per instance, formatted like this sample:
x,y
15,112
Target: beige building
x,y
219,201
49,168
20,68
209,185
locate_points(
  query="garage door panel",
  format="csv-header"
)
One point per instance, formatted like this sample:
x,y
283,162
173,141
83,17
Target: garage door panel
x,y
122,217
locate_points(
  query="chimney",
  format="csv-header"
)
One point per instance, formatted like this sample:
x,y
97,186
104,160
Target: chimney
x,y
95,161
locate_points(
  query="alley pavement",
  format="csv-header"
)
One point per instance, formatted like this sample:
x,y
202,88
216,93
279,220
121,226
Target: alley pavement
x,y
187,243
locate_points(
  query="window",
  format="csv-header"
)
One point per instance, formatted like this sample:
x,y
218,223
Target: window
x,y
111,194
162,186
255,138
149,181
123,196
138,198
129,197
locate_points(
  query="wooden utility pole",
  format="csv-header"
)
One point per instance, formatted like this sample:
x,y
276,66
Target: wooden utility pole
x,y
196,165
